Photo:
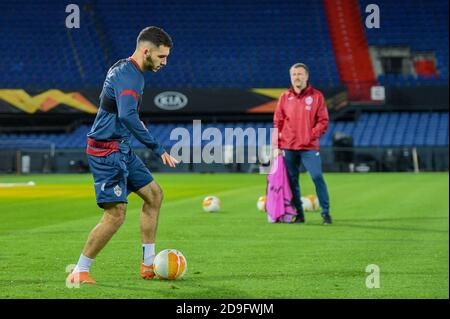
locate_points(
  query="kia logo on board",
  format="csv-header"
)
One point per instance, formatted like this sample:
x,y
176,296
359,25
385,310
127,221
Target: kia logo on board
x,y
171,100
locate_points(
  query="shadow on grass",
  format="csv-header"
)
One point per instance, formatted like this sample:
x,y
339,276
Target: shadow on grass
x,y
369,224
157,289
193,289
403,219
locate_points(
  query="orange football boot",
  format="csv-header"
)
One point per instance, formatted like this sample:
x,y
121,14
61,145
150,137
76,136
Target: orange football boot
x,y
147,271
80,278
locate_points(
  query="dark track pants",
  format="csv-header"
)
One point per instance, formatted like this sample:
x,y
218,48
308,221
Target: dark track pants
x,y
313,164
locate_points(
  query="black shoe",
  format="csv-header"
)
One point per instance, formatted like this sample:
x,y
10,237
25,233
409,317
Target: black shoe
x,y
298,219
326,220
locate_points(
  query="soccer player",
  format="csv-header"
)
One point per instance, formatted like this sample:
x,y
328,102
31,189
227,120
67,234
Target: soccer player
x,y
301,118
116,168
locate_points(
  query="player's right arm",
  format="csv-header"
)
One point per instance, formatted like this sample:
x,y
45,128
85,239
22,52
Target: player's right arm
x,y
278,117
278,122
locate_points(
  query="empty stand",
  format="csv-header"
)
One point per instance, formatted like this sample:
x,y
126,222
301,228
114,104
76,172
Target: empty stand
x,y
371,129
421,25
231,43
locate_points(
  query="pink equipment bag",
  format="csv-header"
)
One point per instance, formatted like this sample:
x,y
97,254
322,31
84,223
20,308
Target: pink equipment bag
x,y
279,195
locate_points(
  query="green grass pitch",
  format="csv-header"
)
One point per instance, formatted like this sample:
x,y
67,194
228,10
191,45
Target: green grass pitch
x,y
396,221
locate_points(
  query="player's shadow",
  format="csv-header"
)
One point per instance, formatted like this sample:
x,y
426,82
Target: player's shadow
x,y
401,219
156,289
368,224
221,212
174,289
27,282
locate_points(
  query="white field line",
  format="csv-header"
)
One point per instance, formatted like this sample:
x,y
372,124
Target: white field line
x,y
30,183
137,210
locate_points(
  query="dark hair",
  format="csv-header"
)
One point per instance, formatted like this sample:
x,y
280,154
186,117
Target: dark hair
x,y
301,65
155,35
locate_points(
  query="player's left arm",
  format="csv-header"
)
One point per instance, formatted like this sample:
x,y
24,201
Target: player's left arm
x,y
127,103
321,123
127,90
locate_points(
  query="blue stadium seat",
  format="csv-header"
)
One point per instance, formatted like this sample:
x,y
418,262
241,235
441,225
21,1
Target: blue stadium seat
x,y
203,56
419,25
370,130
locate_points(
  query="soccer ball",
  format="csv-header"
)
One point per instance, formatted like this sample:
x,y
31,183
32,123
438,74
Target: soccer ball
x,y
261,203
307,204
314,201
169,264
211,204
